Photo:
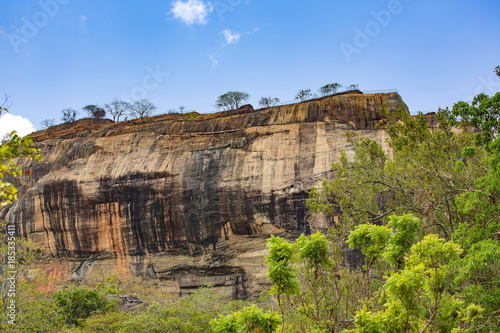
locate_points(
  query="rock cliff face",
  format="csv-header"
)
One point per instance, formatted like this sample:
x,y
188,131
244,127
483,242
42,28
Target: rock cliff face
x,y
165,195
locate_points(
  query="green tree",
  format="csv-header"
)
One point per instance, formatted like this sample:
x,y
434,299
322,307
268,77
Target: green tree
x,y
483,113
329,89
303,95
450,181
15,252
315,292
352,87
249,319
422,296
94,111
267,102
78,303
231,100
497,71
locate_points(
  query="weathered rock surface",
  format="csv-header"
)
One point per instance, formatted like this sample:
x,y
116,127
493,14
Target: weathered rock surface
x,y
166,194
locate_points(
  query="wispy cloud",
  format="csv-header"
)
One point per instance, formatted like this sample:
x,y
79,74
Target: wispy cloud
x,y
215,62
192,11
232,37
83,19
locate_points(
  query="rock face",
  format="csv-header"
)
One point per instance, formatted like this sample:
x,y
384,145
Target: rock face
x,y
164,195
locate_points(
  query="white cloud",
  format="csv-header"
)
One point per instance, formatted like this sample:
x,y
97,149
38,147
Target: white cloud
x,y
83,18
215,62
10,122
192,11
232,37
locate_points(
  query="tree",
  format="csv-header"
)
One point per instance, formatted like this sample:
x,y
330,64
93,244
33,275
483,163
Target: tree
x,y
422,296
13,250
483,113
315,292
81,302
231,100
267,102
450,181
142,108
117,109
68,115
248,320
46,123
182,108
497,71
94,111
303,95
352,87
329,89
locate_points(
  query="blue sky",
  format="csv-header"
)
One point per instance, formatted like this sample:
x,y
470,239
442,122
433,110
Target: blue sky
x,y
70,53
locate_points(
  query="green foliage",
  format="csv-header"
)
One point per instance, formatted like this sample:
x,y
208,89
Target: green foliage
x,y
483,113
188,315
11,149
391,242
421,296
107,322
449,180
231,100
78,303
191,115
405,234
311,284
280,272
249,319
329,89
372,239
94,111
267,102
304,95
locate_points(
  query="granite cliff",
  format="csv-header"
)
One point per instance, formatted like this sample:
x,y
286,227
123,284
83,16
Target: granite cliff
x,y
185,197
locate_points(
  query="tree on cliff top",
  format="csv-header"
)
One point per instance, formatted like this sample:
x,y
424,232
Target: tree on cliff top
x,y
142,108
231,100
329,89
94,111
118,108
267,102
68,115
352,87
304,95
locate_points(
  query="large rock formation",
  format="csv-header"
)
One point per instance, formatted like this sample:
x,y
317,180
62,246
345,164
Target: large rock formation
x,y
186,193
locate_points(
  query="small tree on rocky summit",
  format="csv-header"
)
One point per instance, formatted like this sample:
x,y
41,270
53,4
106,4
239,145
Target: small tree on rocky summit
x,y
68,115
329,89
231,100
267,102
46,123
352,87
94,111
304,95
142,108
117,109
